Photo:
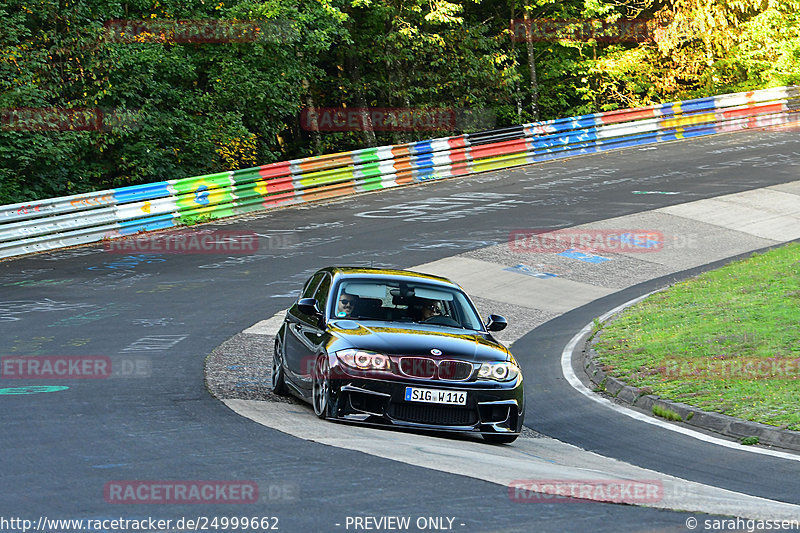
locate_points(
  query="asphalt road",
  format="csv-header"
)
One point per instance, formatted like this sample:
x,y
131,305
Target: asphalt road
x,y
162,314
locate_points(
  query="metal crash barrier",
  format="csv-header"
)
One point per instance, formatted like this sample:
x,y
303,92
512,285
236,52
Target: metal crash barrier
x,y
67,221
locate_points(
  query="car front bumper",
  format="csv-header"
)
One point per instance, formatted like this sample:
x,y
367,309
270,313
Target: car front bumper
x,y
491,407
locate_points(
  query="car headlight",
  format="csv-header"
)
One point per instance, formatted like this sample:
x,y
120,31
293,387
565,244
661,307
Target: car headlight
x,y
502,371
363,360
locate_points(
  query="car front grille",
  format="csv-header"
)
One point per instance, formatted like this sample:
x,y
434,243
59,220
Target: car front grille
x,y
454,370
440,415
418,367
427,368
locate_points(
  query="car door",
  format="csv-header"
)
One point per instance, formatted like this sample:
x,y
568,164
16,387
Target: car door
x,y
305,333
293,345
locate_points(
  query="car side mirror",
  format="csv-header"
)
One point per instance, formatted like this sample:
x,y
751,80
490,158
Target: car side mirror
x,y
496,323
308,306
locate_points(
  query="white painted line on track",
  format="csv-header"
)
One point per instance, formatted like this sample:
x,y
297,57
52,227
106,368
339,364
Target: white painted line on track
x,y
535,461
572,378
269,326
540,458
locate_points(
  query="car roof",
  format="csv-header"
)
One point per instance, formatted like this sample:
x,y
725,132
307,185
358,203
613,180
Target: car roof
x,y
388,273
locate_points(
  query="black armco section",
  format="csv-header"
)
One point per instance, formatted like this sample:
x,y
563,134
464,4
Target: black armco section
x,y
493,136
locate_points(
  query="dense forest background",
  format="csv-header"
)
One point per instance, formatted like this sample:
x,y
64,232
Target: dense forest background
x,y
232,96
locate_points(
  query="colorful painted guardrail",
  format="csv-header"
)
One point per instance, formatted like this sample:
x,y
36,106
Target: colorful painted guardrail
x,y
68,221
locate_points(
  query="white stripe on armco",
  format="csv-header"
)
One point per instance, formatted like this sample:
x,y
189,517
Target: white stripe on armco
x,y
569,374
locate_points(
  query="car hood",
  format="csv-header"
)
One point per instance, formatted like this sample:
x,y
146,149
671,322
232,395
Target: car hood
x,y
417,339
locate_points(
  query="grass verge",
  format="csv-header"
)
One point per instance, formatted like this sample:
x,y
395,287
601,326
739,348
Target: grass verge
x,y
669,414
726,341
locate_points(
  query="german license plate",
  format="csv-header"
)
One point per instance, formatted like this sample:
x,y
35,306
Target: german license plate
x,y
414,394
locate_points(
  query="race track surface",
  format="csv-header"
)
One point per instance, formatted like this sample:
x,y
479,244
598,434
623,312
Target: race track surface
x,y
157,317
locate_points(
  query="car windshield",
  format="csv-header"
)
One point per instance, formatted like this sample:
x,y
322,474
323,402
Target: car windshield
x,y
404,301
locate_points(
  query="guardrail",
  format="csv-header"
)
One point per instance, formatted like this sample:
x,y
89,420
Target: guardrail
x,y
67,221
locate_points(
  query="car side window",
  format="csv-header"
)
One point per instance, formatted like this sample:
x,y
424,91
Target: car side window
x,y
321,294
308,291
311,285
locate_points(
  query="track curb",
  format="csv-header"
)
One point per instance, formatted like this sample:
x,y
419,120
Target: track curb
x,y
635,397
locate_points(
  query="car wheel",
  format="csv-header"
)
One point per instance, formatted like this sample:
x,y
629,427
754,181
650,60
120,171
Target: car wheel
x,y
278,375
321,387
499,438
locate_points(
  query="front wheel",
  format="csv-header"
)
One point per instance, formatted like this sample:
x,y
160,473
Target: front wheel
x,y
321,387
278,375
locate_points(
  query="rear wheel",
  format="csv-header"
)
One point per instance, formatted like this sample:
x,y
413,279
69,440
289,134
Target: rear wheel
x,y
499,438
321,387
278,376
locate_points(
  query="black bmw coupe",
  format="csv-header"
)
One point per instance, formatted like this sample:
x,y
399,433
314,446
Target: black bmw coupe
x,y
399,348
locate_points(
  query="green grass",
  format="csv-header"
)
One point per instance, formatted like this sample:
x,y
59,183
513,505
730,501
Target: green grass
x,y
596,327
669,414
746,312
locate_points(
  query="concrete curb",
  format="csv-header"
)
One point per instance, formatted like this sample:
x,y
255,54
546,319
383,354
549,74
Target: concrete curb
x,y
718,423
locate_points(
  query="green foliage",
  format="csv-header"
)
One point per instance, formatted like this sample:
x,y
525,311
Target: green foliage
x,y
171,108
666,413
596,327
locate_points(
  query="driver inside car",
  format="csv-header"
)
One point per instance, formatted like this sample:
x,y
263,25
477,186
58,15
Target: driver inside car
x,y
427,309
347,305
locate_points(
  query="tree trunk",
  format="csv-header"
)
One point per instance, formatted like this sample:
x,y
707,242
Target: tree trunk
x,y
312,114
355,75
531,60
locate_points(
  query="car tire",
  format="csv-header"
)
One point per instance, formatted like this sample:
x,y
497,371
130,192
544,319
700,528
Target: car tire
x,y
321,388
278,373
499,438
